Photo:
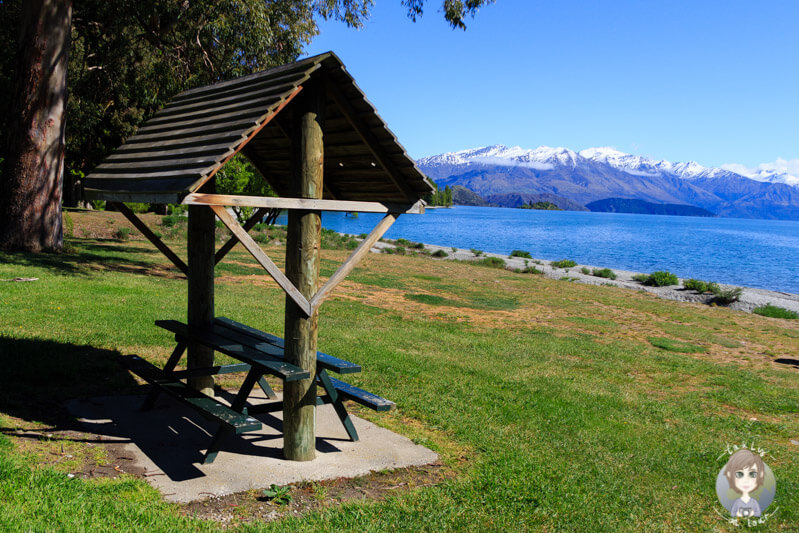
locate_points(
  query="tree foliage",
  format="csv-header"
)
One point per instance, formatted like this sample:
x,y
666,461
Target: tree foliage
x,y
455,11
440,197
239,176
129,57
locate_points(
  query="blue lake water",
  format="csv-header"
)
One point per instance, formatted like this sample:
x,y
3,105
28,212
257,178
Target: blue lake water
x,y
752,253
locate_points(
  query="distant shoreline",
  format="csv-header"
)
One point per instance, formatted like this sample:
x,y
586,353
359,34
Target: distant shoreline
x,y
750,299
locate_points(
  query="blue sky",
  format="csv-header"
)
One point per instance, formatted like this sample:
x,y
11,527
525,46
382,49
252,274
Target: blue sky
x,y
713,82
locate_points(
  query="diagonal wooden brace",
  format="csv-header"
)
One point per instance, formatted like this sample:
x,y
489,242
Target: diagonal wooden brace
x,y
259,255
252,221
353,260
152,237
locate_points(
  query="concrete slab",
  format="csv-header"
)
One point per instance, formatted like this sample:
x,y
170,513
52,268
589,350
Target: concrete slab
x,y
168,442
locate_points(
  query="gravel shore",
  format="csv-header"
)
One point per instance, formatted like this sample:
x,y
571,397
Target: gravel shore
x,y
749,300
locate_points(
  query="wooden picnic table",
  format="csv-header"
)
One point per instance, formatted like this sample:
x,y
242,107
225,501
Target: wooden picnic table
x,y
260,354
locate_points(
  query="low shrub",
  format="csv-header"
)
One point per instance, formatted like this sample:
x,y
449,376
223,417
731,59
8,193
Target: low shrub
x,y
454,249
138,207
262,238
362,235
493,262
172,220
440,253
695,285
661,278
586,271
603,273
352,244
521,253
563,263
176,209
403,242
417,245
727,296
476,252
702,287
773,311
122,233
529,270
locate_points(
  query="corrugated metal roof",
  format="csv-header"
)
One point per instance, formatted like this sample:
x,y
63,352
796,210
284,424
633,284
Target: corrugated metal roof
x,y
183,145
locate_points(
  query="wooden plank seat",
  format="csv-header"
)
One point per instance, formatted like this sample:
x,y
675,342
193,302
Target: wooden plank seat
x,y
274,345
271,362
260,354
204,405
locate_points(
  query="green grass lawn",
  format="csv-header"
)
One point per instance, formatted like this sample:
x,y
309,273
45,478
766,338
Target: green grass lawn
x,y
548,399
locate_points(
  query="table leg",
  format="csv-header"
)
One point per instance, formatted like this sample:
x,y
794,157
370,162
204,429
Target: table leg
x,y
266,388
170,365
338,405
239,403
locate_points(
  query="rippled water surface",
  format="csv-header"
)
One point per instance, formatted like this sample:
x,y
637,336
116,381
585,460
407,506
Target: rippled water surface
x,y
752,253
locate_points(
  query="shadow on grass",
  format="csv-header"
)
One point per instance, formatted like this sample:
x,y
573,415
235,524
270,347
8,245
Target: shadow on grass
x,y
39,376
85,389
88,257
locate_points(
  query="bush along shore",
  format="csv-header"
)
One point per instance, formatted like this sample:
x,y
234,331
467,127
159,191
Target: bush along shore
x,y
661,283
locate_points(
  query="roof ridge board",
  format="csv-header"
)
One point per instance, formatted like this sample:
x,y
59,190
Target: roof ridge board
x,y
160,154
242,124
196,122
225,99
292,69
212,110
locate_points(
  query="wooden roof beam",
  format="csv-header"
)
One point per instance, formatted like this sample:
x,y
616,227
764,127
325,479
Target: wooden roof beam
x,y
310,204
369,139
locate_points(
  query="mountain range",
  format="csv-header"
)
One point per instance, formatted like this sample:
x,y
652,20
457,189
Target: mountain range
x,y
508,176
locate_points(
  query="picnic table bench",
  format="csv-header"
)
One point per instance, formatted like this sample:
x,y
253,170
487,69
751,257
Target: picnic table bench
x,y
260,354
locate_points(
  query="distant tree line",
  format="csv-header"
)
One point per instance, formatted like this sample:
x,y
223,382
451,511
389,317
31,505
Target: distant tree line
x,y
545,206
440,197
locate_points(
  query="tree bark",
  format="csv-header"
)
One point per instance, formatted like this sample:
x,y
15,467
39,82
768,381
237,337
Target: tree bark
x,y
30,190
302,268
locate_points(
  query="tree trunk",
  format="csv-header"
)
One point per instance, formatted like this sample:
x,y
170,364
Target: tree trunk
x,y
30,190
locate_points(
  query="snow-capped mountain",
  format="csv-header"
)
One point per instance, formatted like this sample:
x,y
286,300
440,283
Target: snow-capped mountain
x,y
601,173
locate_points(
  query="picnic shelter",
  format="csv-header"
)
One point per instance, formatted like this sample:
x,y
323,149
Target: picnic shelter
x,y
320,144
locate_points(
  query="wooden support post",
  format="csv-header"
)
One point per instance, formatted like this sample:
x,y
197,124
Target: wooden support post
x,y
201,291
302,269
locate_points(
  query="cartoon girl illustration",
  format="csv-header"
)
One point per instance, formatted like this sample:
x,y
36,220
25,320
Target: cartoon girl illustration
x,y
745,473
